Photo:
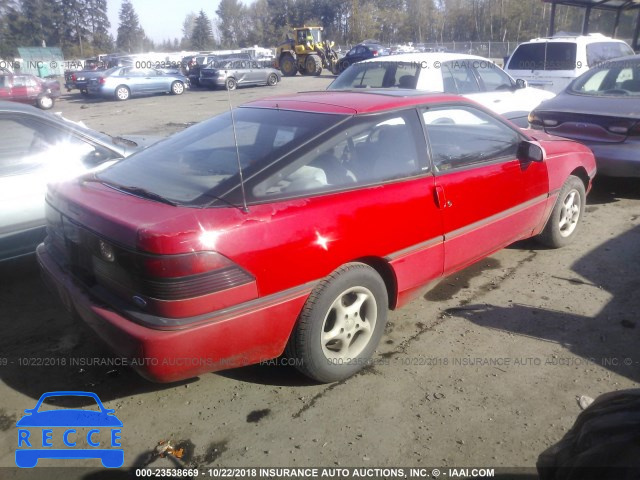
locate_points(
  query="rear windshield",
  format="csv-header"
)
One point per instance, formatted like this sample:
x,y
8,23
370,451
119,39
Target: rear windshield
x,y
620,79
378,75
197,165
544,56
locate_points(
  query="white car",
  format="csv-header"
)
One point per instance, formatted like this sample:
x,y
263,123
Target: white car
x,y
552,63
471,76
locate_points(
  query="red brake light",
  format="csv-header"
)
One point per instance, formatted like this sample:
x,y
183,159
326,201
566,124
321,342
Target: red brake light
x,y
73,77
101,80
375,53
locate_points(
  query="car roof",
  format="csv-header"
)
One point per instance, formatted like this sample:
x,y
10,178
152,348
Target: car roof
x,y
585,39
428,57
353,102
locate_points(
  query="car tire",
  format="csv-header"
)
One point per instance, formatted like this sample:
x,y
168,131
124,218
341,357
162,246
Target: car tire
x,y
177,88
45,102
341,324
288,65
122,93
272,80
564,221
84,92
231,84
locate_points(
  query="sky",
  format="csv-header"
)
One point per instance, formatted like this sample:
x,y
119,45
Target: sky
x,y
161,19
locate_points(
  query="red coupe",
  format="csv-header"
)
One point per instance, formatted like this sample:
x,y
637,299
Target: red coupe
x,y
296,222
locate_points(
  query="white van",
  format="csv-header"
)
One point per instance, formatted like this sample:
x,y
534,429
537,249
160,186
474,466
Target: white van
x,y
552,63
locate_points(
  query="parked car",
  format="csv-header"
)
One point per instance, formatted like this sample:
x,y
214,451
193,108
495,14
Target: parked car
x,y
341,211
80,79
600,109
236,73
25,88
122,83
552,63
198,62
37,148
474,77
358,53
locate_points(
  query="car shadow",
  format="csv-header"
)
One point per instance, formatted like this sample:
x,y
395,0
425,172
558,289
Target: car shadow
x,y
45,349
608,339
610,190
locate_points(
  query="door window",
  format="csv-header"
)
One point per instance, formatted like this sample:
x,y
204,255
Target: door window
x,y
461,137
463,76
492,77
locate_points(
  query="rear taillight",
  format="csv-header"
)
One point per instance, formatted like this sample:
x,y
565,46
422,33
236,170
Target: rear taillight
x,y
73,77
535,121
101,80
375,53
166,277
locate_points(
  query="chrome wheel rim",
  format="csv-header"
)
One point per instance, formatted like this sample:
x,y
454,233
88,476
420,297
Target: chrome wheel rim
x,y
570,213
349,324
122,93
178,88
46,102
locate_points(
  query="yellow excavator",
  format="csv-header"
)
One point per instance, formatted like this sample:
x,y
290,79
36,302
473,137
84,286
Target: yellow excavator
x,y
306,53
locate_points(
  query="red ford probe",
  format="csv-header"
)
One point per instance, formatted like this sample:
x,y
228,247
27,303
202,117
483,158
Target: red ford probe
x,y
355,202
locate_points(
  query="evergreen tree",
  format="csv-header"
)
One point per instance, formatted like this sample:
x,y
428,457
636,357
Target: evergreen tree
x,y
131,37
201,35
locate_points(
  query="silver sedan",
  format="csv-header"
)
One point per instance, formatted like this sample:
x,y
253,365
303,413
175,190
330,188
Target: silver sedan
x,y
123,82
234,73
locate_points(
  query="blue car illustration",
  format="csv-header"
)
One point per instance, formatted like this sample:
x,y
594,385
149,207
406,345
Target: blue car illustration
x,y
33,447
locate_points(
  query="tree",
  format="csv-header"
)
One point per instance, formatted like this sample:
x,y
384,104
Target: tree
x,y
131,37
98,24
201,35
232,19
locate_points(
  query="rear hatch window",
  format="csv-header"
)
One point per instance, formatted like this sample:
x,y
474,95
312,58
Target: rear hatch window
x,y
199,165
544,56
603,51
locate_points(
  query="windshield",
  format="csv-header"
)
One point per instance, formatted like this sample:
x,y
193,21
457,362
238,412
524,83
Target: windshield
x,y
200,164
617,79
377,75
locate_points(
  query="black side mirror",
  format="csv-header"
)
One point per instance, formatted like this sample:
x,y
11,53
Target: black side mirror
x,y
520,83
530,152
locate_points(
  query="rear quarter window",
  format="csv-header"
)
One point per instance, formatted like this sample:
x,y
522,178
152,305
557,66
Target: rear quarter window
x,y
544,56
603,51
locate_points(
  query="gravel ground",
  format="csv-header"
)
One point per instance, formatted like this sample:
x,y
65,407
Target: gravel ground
x,y
483,371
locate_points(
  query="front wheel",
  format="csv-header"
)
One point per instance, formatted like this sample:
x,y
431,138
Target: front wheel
x,y
45,102
177,88
564,221
341,324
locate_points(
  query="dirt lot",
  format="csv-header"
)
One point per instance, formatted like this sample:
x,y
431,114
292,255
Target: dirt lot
x,y
483,371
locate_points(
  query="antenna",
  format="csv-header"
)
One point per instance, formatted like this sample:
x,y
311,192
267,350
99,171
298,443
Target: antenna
x,y
245,209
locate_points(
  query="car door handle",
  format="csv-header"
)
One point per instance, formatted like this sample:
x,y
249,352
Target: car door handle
x,y
441,199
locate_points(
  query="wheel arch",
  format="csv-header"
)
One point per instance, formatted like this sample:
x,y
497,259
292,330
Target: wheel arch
x,y
385,270
582,174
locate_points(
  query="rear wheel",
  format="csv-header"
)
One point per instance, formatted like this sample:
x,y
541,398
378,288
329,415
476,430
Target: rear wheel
x,y
341,324
122,93
564,221
288,65
45,102
272,80
231,84
177,88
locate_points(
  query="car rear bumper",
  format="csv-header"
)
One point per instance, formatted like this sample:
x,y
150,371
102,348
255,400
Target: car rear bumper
x,y
617,159
243,336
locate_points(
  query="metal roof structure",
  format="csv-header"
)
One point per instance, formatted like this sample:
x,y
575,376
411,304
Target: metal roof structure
x,y
617,6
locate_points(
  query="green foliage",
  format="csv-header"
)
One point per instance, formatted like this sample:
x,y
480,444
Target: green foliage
x,y
201,37
131,37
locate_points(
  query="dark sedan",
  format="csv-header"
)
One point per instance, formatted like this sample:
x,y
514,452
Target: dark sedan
x,y
234,73
601,109
359,53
